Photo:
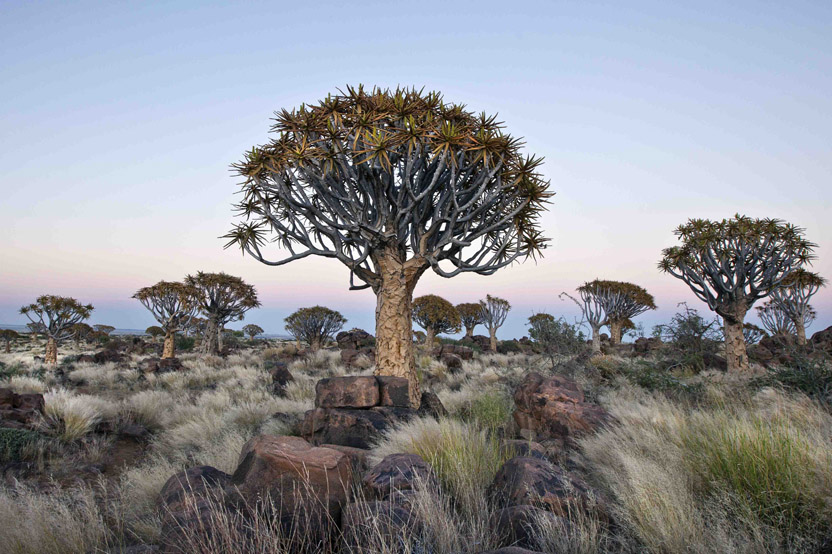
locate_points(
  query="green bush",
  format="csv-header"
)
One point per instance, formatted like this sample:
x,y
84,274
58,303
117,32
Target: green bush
x,y
491,410
13,441
508,347
10,370
812,377
184,344
656,380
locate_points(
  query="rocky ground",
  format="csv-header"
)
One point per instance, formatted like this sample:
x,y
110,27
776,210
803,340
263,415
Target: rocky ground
x,y
274,449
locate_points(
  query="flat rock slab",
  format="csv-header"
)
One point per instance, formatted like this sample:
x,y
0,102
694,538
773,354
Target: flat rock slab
x,y
398,472
347,392
350,427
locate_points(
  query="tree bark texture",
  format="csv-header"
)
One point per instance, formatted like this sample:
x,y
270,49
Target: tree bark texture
x,y
429,337
469,332
493,334
210,343
51,356
615,332
169,349
800,331
735,353
596,340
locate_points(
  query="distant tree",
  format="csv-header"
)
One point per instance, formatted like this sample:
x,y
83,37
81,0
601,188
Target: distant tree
x,y
314,325
55,316
154,331
777,322
730,264
623,301
435,315
752,333
81,331
172,305
106,329
392,183
593,296
252,330
555,338
221,298
470,314
793,296
9,335
196,326
541,317
34,330
494,313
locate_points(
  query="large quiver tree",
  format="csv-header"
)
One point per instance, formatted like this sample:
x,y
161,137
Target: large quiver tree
x,y
391,183
221,298
55,316
730,264
494,312
173,305
314,325
435,315
792,297
470,314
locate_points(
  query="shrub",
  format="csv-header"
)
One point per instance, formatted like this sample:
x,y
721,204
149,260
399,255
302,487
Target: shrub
x,y
14,441
185,344
652,379
812,377
556,338
690,337
490,410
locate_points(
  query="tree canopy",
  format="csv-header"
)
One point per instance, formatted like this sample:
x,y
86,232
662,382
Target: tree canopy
x,y
435,315
793,295
470,314
252,330
55,315
172,304
314,325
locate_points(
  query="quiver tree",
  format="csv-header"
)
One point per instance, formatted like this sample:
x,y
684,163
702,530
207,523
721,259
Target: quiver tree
x,y
173,305
391,183
35,329
55,316
470,314
82,331
314,325
435,315
494,312
8,336
793,296
252,330
778,322
592,296
752,334
154,331
221,298
623,301
104,329
730,264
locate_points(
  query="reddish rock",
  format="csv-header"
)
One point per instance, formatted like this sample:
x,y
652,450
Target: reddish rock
x,y
452,362
19,410
431,406
393,391
461,352
398,472
357,456
554,407
281,377
355,339
520,525
645,345
368,523
199,482
356,428
525,448
347,392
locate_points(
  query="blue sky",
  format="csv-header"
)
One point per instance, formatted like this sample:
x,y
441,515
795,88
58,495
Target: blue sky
x,y
118,122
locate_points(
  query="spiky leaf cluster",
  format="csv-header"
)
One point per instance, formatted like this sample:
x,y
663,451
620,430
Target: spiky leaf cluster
x,y
402,169
172,304
494,312
314,325
470,314
795,291
619,300
435,313
730,264
222,297
55,315
776,321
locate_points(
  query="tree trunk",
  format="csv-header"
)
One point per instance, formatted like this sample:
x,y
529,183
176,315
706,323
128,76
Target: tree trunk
x,y
34,338
493,333
210,343
735,354
800,331
469,332
8,346
315,345
615,332
430,337
596,340
168,351
51,357
220,334
394,323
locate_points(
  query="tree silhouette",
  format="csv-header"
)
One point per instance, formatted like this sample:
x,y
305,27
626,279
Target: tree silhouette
x,y
55,316
9,335
104,329
314,325
172,305
435,315
391,184
221,298
470,314
793,295
252,330
494,313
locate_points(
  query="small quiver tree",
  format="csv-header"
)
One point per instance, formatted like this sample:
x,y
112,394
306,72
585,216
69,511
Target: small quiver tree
x,y
623,301
8,336
592,296
104,329
252,330
314,325
777,322
55,316
435,315
221,298
34,330
154,331
470,314
730,264
494,312
392,183
792,297
173,305
82,331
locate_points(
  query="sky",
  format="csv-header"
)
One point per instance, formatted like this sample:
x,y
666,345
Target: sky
x,y
119,121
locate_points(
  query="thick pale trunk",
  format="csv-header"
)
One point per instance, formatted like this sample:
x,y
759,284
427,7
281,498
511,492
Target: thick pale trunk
x,y
469,332
493,333
8,346
430,337
394,323
51,357
210,343
735,354
168,351
615,332
596,340
315,345
800,331
219,338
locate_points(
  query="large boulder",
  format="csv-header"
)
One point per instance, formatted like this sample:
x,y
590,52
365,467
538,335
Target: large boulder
x,y
356,358
281,377
393,391
108,355
462,352
347,392
19,410
199,482
431,406
555,408
535,482
163,365
377,523
355,339
349,427
822,340
521,525
645,345
398,472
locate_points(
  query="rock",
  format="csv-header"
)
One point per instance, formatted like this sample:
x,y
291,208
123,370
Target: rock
x,y
462,352
357,456
367,523
355,339
195,523
714,361
299,477
19,410
281,376
511,550
107,355
760,354
85,359
822,340
393,391
554,408
398,472
164,365
520,525
452,361
431,406
135,432
526,448
645,345
347,392
349,427
536,482
198,483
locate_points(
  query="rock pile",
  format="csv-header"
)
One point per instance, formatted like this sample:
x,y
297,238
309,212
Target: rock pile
x,y
354,344
19,410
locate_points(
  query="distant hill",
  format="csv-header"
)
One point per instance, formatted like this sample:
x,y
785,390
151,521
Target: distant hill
x,y
24,329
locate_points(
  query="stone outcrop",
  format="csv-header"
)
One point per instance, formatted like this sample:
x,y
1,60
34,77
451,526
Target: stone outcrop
x,y
462,352
519,525
555,408
645,345
19,410
354,344
432,406
163,365
396,473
